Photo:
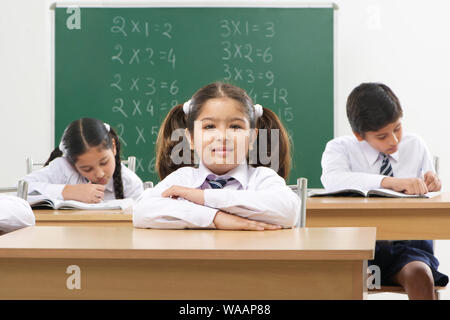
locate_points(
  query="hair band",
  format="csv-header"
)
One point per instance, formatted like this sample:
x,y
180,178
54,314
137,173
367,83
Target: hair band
x,y
258,110
187,106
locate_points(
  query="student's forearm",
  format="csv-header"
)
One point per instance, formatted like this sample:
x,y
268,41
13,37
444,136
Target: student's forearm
x,y
388,183
336,180
50,190
277,206
166,213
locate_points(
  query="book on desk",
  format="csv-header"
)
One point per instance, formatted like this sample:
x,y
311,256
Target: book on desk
x,y
367,193
41,201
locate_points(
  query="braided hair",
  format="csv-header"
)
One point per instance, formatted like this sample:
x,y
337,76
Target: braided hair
x,y
84,133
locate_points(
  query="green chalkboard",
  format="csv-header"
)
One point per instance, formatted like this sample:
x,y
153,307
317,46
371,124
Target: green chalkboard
x,y
129,66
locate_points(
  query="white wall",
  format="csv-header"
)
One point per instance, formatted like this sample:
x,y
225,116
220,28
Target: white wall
x,y
403,43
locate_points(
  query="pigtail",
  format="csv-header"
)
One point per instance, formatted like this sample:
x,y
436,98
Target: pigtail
x,y
267,122
55,154
117,175
164,164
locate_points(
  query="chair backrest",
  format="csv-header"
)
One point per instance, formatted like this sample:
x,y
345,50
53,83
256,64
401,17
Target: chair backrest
x,y
148,184
301,189
436,164
21,189
131,163
30,164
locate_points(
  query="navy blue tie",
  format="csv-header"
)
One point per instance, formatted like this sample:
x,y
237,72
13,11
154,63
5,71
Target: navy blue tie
x,y
386,168
218,183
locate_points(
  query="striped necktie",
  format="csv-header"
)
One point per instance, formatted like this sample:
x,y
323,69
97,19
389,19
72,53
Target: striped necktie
x,y
218,183
386,168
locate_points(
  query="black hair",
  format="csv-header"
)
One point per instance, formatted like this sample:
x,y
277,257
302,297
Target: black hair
x,y
82,134
176,119
372,106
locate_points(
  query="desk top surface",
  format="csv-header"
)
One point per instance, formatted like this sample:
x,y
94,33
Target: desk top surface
x,y
132,243
82,215
441,201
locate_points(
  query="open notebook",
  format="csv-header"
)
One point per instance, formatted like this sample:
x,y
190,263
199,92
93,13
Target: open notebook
x,y
40,201
370,193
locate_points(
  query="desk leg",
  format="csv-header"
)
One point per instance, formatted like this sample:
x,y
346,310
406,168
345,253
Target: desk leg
x,y
183,279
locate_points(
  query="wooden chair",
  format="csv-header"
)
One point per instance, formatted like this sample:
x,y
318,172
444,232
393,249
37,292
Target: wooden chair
x,y
30,164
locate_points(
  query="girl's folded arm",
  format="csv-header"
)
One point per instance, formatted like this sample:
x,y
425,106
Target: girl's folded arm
x,y
279,206
48,181
271,201
153,211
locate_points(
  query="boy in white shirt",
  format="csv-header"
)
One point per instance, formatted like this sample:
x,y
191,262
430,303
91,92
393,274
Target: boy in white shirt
x,y
379,155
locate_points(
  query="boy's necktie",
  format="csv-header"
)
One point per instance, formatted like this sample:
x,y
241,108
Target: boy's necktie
x,y
386,168
218,183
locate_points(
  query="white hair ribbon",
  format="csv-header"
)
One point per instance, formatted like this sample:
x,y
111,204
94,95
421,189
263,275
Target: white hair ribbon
x,y
258,110
187,106
107,126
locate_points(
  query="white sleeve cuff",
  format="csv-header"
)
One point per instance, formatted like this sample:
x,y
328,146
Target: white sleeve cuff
x,y
376,183
204,218
54,191
215,198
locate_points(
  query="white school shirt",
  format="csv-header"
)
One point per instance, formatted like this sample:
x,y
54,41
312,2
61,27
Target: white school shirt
x,y
348,163
15,213
256,193
51,180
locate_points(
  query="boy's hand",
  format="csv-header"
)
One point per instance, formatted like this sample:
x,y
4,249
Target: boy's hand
x,y
432,181
191,194
405,185
88,192
228,221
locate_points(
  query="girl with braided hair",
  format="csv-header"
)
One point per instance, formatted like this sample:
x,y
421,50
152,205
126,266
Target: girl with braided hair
x,y
86,166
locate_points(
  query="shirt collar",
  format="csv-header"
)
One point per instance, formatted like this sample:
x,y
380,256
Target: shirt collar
x,y
395,155
369,152
372,155
240,173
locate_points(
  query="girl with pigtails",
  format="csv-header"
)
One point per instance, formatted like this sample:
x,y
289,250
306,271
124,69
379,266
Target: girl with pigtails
x,y
216,176
86,167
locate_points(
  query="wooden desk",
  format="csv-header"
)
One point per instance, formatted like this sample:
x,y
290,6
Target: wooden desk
x,y
395,219
93,218
127,263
